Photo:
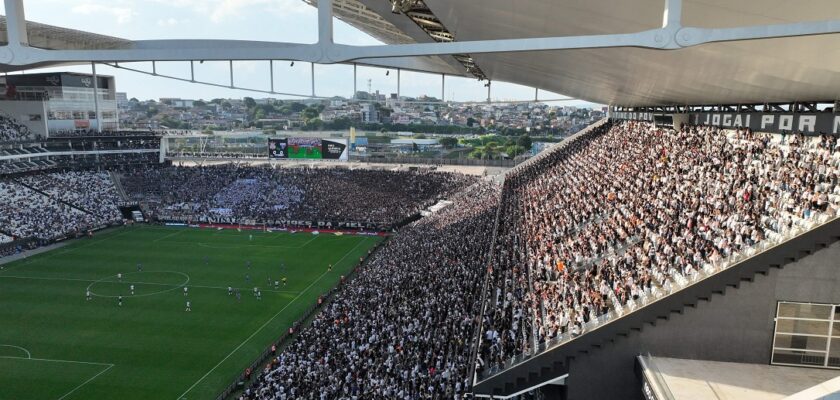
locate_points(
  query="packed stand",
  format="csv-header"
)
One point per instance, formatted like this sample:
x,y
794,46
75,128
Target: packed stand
x,y
12,131
244,194
401,328
628,210
92,192
52,206
25,213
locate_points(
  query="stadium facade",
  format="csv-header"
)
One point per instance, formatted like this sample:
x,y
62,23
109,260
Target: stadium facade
x,y
68,100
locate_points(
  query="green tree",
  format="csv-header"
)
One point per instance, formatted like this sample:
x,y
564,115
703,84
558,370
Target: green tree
x,y
419,136
449,142
524,141
249,102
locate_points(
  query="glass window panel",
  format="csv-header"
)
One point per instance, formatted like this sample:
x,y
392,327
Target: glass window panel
x,y
801,342
802,326
797,310
798,357
834,353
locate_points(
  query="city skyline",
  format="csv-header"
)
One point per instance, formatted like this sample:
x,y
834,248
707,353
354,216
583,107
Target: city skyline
x,y
274,20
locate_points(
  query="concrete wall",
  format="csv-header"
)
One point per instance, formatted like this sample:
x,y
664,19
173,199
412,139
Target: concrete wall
x,y
736,327
20,112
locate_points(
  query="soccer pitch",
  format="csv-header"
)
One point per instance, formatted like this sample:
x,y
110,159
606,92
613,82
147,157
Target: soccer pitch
x,y
55,344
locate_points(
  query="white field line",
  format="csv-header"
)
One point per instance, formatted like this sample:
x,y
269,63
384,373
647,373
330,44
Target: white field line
x,y
266,323
169,235
58,252
86,382
106,365
136,283
28,354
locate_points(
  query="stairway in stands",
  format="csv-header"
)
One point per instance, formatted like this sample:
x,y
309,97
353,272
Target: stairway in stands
x,y
117,180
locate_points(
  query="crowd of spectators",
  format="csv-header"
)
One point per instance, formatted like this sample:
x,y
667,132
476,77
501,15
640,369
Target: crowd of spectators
x,y
12,131
401,328
51,206
92,192
261,194
629,208
71,133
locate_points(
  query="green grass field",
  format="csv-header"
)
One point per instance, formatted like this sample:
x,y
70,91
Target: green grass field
x,y
55,344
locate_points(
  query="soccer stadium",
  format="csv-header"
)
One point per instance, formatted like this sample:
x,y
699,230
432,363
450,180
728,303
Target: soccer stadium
x,y
678,240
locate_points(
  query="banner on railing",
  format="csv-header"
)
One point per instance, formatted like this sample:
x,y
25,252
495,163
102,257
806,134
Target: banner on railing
x,y
809,124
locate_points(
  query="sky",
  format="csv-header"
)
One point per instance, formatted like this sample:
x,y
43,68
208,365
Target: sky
x,y
266,20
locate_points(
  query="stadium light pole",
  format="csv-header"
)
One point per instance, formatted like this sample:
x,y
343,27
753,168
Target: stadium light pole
x,y
354,81
271,73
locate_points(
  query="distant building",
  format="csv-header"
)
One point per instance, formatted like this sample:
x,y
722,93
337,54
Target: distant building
x,y
68,99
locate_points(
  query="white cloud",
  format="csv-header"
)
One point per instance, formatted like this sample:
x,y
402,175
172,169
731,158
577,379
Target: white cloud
x,y
121,14
166,22
234,8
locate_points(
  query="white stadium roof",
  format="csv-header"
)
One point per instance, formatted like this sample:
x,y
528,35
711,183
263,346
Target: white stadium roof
x,y
730,71
755,71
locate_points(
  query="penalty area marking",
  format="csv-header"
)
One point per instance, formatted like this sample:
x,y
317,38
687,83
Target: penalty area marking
x,y
181,397
175,286
29,357
28,354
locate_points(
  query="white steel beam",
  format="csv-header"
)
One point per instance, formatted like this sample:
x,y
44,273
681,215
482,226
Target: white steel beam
x,y
670,37
16,23
325,22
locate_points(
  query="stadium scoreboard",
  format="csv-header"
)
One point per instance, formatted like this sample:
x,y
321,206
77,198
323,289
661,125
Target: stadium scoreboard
x,y
308,148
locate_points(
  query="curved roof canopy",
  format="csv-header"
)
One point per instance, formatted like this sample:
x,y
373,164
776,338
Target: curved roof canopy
x,y
727,70
805,68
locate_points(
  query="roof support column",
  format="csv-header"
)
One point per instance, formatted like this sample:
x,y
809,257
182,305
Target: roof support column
x,y
325,23
230,65
355,81
442,87
398,84
16,23
271,73
672,17
312,75
96,97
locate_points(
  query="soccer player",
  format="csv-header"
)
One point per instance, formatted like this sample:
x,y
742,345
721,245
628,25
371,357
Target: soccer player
x,y
87,294
206,260
188,306
119,300
185,290
251,237
329,268
248,264
259,295
255,290
284,281
230,290
139,267
247,277
276,285
238,295
132,289
119,276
